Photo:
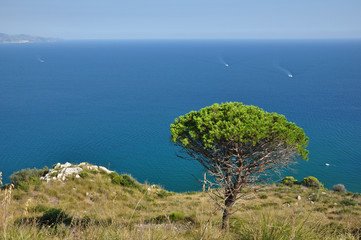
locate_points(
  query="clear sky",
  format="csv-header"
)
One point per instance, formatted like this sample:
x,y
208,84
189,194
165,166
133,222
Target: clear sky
x,y
116,19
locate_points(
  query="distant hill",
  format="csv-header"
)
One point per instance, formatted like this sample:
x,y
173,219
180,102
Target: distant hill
x,y
22,38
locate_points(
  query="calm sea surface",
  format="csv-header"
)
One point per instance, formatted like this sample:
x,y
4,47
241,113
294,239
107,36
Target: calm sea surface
x,y
111,102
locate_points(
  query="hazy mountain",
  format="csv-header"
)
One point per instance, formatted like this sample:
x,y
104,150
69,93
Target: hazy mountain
x,y
22,38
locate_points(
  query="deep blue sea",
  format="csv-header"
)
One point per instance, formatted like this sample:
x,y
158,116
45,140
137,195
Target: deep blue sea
x,y
111,103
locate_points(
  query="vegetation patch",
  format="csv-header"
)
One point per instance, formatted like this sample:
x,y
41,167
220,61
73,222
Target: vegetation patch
x,y
124,180
339,188
348,202
289,181
262,196
22,179
311,182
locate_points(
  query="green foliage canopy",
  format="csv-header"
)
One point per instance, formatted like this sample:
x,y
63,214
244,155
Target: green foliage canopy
x,y
236,122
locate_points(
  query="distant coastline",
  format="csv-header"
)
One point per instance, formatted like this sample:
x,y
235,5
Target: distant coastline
x,y
22,38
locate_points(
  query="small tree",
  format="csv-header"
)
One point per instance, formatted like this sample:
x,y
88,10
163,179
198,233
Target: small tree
x,y
238,145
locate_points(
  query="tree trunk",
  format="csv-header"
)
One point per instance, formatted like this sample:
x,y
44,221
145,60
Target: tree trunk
x,y
227,211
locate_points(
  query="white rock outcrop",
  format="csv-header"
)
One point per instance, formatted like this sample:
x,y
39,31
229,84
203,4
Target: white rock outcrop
x,y
61,172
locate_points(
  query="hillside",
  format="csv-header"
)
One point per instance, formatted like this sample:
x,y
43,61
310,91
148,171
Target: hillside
x,y
22,38
90,202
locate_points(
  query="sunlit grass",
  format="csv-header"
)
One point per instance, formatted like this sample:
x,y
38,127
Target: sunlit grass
x,y
100,209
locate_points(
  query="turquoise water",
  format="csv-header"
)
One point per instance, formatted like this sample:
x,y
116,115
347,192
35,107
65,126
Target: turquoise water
x,y
111,102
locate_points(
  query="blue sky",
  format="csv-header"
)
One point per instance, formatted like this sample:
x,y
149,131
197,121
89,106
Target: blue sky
x,y
117,19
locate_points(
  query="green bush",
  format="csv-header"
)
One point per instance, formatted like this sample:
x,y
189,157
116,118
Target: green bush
x,y
176,216
356,195
289,181
343,211
27,176
262,196
173,217
84,174
124,180
311,182
158,219
53,217
40,208
348,202
320,209
278,195
163,193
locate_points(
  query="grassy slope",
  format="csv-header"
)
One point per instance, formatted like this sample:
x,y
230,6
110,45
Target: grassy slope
x,y
110,211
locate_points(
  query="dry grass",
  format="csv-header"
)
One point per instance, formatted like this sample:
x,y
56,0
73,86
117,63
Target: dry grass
x,y
100,209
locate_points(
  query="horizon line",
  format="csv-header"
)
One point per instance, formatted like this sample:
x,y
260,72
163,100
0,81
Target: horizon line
x,y
328,38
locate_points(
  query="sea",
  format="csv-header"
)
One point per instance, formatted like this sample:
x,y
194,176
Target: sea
x,y
111,102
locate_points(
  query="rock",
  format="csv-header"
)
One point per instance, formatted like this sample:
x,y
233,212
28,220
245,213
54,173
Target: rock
x,y
61,172
93,168
105,170
298,197
66,165
68,171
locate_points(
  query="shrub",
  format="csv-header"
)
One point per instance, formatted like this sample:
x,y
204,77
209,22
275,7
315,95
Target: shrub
x,y
339,188
163,193
311,182
176,216
40,208
23,186
84,174
348,202
53,217
27,176
124,180
86,220
289,181
320,209
278,195
356,195
343,211
262,196
158,219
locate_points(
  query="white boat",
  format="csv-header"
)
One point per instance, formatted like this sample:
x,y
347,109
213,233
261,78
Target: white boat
x,y
226,65
290,75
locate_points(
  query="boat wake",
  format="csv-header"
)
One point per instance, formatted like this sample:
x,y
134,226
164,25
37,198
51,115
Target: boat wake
x,y
284,70
223,62
289,74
